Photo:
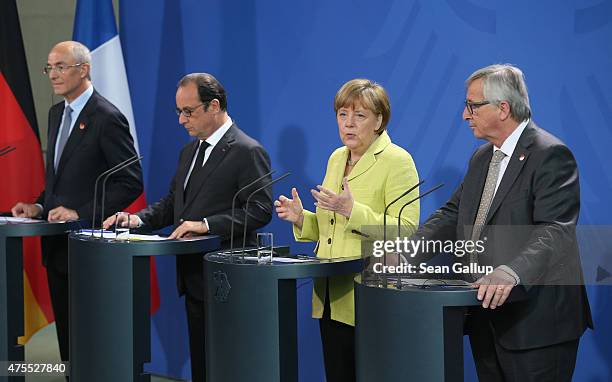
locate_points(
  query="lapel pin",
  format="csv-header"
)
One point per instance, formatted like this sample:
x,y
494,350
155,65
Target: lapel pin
x,y
82,126
522,157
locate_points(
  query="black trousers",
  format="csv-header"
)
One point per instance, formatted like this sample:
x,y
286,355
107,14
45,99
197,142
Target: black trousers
x,y
195,324
554,363
58,288
338,341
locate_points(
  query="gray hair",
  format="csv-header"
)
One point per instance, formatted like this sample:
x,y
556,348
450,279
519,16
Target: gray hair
x,y
81,53
504,82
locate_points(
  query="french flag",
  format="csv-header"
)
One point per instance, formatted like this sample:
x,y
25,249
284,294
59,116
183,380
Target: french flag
x,y
95,27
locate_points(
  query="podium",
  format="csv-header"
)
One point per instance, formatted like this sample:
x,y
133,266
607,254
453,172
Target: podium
x,y
11,282
412,334
251,315
110,304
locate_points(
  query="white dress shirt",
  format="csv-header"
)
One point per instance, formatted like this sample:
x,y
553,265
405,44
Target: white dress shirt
x,y
508,148
212,142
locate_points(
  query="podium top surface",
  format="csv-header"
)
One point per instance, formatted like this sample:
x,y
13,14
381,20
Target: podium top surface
x,y
194,245
314,267
42,228
446,295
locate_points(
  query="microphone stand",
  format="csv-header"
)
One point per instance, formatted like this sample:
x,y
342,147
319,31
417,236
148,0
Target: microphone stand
x,y
7,149
246,207
399,225
385,222
129,163
234,209
95,197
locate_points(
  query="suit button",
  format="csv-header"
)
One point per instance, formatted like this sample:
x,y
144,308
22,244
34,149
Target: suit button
x,y
331,222
329,241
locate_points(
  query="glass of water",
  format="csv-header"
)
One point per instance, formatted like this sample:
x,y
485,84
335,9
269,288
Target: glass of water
x,y
122,226
265,246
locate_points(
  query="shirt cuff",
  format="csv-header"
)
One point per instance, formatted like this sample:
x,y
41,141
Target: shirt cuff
x,y
205,221
40,206
511,272
140,222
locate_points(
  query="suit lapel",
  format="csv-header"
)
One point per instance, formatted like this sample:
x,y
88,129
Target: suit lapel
x,y
515,165
54,122
78,132
182,173
369,157
216,157
363,165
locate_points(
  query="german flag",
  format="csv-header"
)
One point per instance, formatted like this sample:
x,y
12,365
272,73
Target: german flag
x,y
22,166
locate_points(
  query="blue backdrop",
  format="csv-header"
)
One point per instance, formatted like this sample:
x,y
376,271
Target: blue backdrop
x,y
282,62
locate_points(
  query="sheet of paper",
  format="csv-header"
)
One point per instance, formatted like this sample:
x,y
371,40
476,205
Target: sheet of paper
x,y
286,260
436,282
132,236
12,220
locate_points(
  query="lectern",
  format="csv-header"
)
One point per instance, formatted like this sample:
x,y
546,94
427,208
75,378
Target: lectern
x,y
251,315
11,282
413,333
110,303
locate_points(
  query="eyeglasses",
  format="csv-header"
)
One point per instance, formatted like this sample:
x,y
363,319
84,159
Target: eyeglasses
x,y
188,111
60,67
471,106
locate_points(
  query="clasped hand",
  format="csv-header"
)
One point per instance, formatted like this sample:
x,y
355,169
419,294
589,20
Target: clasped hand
x,y
187,228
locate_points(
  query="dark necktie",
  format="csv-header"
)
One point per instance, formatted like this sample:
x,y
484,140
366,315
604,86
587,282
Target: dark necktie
x,y
64,134
197,166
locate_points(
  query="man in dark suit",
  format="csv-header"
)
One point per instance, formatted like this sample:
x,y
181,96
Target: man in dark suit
x,y
521,197
87,135
210,171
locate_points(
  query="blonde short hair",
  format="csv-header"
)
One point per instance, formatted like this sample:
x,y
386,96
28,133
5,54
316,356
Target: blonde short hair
x,y
369,94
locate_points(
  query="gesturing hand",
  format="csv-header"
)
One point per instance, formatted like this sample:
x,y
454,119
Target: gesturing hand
x,y
341,203
290,210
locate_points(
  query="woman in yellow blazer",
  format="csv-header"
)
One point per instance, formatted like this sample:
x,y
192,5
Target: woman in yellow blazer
x,y
362,176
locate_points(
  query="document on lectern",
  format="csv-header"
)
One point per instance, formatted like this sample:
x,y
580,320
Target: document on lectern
x,y
428,283
112,235
14,220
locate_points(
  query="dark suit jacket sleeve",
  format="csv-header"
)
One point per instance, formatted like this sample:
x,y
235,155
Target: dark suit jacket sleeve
x,y
41,199
556,205
160,214
117,146
255,163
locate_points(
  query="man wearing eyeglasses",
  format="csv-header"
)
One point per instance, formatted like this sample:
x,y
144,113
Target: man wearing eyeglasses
x,y
211,169
521,198
87,135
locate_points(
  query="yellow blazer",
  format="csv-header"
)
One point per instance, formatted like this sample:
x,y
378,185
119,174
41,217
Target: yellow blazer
x,y
382,174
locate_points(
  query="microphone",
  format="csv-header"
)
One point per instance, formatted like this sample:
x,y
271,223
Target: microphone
x,y
246,206
399,223
7,149
95,197
385,220
393,202
127,164
234,205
